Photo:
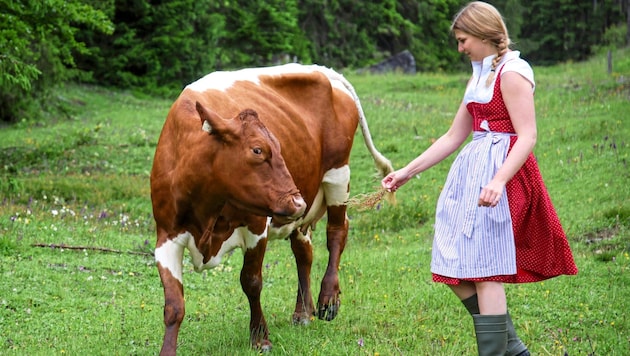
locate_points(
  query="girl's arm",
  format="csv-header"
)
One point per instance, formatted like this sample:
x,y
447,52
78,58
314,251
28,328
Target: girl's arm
x,y
519,101
439,150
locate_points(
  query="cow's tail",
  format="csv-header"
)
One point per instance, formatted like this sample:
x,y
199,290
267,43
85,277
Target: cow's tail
x,y
383,165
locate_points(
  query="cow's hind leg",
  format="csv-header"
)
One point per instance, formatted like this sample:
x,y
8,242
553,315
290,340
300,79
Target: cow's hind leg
x,y
168,256
252,283
336,192
329,302
303,253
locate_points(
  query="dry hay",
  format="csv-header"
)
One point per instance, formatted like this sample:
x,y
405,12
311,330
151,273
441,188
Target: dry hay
x,y
363,202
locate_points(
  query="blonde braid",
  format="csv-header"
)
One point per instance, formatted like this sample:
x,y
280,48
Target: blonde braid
x,y
502,48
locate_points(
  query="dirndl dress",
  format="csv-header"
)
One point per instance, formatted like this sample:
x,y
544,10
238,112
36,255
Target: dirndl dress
x,y
521,239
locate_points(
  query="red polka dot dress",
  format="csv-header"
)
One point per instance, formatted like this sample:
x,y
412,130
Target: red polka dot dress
x,y
520,240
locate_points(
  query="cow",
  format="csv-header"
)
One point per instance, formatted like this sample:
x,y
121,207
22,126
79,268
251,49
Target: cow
x,y
248,156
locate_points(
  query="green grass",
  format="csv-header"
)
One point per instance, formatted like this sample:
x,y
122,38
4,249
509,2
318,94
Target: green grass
x,y
83,181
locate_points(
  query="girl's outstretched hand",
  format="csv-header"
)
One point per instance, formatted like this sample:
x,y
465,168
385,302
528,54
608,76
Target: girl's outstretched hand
x,y
395,180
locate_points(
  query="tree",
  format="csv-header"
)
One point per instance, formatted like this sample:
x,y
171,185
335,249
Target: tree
x,y
337,32
37,39
158,45
563,30
164,45
433,44
259,32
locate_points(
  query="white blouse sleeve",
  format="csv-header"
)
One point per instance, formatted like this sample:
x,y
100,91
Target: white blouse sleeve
x,y
521,67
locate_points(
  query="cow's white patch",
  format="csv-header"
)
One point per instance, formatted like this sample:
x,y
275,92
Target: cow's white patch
x,y
222,80
332,192
171,253
317,210
283,231
335,185
241,237
304,237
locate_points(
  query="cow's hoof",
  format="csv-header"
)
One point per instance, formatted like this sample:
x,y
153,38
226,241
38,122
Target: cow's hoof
x,y
263,346
327,311
302,319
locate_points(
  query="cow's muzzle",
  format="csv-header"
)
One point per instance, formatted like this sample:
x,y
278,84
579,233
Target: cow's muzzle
x,y
295,208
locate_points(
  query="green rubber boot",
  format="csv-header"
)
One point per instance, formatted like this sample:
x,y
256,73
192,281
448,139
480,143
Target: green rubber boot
x,y
492,336
515,345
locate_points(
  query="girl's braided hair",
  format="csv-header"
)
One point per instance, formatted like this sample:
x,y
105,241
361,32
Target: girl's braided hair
x,y
484,21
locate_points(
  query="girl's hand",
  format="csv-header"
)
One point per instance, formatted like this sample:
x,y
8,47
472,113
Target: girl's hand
x,y
394,180
491,194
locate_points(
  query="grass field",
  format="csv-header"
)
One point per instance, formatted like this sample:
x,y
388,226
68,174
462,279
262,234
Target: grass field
x,y
80,183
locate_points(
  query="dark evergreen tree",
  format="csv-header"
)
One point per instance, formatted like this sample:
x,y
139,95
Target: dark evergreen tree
x,y
156,44
563,30
433,45
261,32
162,45
37,42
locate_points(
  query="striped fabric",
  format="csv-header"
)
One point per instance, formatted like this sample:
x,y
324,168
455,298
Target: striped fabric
x,y
472,241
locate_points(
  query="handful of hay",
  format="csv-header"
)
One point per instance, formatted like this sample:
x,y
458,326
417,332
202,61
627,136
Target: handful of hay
x,y
369,201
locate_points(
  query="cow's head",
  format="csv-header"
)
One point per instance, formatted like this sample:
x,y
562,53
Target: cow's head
x,y
249,167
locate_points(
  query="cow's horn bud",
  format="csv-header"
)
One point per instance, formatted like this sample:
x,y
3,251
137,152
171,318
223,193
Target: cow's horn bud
x,y
206,126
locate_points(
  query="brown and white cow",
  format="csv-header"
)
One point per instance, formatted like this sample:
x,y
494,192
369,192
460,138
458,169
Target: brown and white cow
x,y
252,155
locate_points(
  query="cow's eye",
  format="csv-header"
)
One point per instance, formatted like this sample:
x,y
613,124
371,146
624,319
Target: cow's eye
x,y
257,150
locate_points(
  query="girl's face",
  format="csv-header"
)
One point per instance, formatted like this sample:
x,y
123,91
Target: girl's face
x,y
474,47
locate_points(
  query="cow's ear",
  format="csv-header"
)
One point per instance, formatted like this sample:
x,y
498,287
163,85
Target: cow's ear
x,y
210,121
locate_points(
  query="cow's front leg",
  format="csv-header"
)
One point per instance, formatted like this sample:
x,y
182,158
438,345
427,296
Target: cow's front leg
x,y
168,255
252,283
303,253
329,302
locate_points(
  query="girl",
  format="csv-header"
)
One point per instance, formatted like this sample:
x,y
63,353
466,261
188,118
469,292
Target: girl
x,y
495,223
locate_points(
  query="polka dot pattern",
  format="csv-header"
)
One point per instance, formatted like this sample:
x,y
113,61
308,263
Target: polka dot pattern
x,y
542,249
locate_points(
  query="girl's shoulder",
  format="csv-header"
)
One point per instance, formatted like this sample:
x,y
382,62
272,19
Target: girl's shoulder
x,y
517,64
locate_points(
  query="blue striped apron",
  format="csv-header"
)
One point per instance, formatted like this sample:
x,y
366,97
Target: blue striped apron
x,y
472,241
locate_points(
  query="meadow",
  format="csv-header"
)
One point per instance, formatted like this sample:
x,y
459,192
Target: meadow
x,y
77,275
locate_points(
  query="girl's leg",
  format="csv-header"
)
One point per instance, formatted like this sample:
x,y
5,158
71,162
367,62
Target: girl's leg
x,y
464,289
467,293
491,327
515,346
492,299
